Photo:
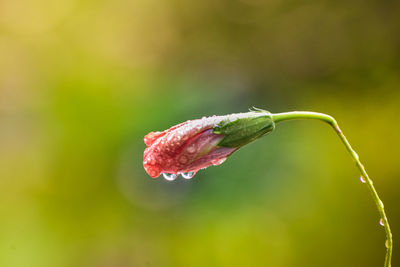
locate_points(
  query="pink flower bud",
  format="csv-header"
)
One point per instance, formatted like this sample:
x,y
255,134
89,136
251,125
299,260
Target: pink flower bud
x,y
186,147
194,145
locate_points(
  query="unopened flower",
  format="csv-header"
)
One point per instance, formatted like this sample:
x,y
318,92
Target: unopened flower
x,y
196,144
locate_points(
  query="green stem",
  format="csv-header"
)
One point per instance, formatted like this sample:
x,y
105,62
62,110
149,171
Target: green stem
x,y
331,121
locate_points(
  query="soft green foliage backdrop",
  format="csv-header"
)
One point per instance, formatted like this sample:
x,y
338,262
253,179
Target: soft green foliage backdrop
x,y
81,83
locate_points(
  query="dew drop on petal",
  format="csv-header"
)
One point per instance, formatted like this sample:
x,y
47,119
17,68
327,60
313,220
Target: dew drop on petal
x,y
191,149
362,179
183,159
382,222
188,175
168,162
169,176
218,162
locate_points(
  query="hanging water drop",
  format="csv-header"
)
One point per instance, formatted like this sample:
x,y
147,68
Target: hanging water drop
x,y
169,176
387,244
188,175
362,179
382,222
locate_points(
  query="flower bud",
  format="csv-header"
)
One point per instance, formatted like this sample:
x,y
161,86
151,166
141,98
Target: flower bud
x,y
197,144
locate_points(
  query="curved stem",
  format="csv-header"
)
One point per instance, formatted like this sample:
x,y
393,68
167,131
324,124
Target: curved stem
x,y
331,121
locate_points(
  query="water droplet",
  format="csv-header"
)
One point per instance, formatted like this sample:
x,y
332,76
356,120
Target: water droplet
x,y
387,244
188,175
382,222
169,176
381,204
362,179
183,159
218,162
191,149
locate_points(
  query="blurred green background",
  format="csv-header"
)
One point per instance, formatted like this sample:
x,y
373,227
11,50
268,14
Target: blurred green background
x,y
81,83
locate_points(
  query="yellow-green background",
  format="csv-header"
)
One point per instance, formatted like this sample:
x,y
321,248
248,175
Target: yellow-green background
x,y
81,83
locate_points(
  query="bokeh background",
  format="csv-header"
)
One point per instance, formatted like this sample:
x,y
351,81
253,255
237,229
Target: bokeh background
x,y
81,83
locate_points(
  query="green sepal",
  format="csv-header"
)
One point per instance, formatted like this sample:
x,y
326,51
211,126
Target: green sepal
x,y
244,128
